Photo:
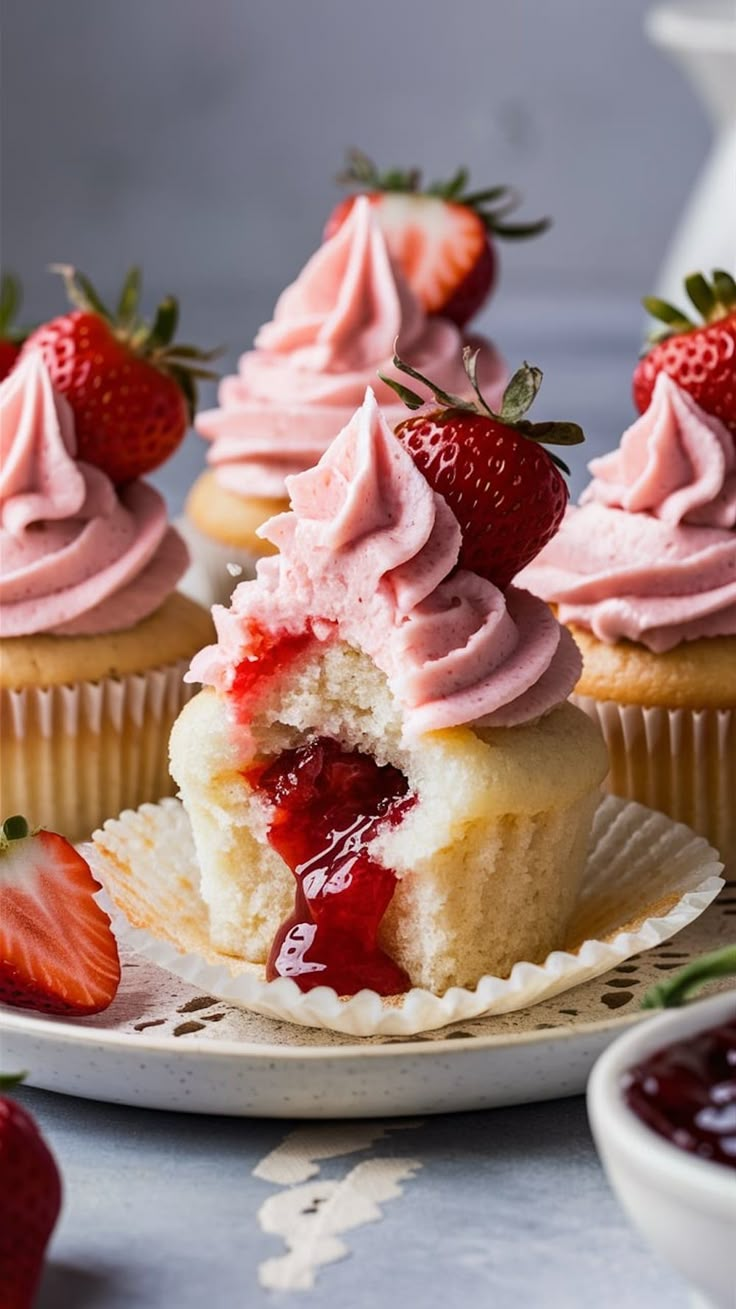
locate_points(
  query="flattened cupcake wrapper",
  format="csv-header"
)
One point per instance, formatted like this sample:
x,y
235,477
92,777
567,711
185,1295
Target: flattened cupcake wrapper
x,y
215,569
74,754
645,879
681,761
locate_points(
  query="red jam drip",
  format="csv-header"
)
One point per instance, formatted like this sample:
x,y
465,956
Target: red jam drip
x,y
329,804
687,1093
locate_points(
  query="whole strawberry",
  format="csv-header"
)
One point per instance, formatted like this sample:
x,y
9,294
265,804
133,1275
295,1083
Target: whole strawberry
x,y
442,237
30,1200
11,338
57,950
700,358
504,488
130,385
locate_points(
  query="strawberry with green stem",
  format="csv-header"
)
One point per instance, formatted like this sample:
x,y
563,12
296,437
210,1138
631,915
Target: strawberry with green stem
x,y
505,489
131,386
699,357
443,236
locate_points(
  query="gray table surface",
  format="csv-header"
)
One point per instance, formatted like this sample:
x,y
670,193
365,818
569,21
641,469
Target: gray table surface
x,y
510,1207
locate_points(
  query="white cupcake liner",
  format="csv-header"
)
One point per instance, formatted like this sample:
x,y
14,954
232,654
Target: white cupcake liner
x,y
680,761
214,569
72,754
645,879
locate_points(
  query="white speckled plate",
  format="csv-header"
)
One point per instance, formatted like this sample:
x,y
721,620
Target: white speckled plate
x,y
165,1045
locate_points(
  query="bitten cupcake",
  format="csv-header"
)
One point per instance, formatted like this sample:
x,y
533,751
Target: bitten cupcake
x,y
333,330
94,638
385,784
644,575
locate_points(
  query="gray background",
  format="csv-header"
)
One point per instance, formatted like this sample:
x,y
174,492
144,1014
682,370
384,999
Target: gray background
x,y
200,137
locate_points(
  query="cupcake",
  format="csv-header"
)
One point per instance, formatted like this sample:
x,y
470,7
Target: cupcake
x,y
333,330
94,637
644,575
386,785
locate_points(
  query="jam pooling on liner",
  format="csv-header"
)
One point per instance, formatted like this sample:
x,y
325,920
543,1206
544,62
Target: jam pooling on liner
x,y
687,1093
328,806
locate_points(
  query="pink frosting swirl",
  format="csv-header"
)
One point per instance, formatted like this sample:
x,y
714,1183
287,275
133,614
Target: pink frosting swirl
x,y
331,332
77,555
369,552
651,554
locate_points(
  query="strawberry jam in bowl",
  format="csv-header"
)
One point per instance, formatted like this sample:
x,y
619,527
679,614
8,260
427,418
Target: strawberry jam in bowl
x,y
662,1106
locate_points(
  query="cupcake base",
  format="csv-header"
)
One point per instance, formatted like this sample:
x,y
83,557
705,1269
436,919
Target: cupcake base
x,y
85,721
680,761
220,529
214,569
645,879
669,722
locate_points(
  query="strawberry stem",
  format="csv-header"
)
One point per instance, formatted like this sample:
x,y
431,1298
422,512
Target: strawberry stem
x,y
154,341
8,1081
127,310
713,300
10,298
16,828
676,990
491,204
517,399
701,294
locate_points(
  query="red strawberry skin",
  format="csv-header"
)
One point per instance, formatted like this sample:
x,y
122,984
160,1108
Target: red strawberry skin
x,y
57,950
9,351
129,415
503,488
702,362
30,1200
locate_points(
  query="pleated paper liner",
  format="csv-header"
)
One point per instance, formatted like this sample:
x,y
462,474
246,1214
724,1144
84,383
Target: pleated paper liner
x,y
681,761
646,878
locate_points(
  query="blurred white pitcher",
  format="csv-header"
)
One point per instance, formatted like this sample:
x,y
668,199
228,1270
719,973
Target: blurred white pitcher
x,y
701,36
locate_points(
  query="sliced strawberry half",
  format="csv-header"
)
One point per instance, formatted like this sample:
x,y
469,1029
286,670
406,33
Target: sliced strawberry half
x,y
57,950
442,236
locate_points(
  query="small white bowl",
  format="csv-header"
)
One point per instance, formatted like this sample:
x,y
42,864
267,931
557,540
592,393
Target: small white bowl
x,y
683,1205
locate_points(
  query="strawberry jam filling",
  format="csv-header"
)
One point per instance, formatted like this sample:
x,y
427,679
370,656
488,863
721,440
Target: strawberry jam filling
x,y
328,806
271,655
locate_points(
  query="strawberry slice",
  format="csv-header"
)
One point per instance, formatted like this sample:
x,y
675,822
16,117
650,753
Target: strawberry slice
x,y
504,488
57,951
442,237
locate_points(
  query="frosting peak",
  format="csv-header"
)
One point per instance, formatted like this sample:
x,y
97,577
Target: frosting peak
x,y
369,551
332,332
39,478
675,462
650,555
77,556
348,305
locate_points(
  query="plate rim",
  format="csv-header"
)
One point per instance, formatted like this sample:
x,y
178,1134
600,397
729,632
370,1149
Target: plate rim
x,y
72,1033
